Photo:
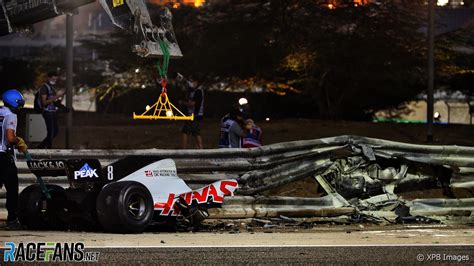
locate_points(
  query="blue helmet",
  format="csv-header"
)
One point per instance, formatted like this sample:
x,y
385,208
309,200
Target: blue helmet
x,y
13,99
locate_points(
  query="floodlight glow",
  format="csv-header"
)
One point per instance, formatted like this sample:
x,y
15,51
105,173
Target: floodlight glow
x,y
243,101
147,107
169,113
442,2
137,70
267,119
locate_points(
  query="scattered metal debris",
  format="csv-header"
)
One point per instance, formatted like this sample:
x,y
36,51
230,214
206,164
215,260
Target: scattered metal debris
x,y
372,173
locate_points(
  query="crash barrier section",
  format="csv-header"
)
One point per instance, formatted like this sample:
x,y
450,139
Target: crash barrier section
x,y
271,166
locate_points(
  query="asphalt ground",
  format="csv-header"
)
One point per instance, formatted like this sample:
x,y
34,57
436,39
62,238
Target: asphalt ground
x,y
292,255
322,244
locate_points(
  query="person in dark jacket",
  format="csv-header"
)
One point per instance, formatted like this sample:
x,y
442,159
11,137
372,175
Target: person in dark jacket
x,y
195,105
49,97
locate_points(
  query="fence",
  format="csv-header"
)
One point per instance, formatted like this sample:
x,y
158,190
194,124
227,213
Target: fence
x,y
260,169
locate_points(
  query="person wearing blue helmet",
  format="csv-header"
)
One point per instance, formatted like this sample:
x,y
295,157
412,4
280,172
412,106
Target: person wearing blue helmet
x,y
13,101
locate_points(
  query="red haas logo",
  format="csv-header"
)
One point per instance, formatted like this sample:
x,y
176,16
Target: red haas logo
x,y
217,194
148,173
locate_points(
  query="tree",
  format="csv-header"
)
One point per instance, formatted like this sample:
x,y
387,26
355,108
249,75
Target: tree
x,y
28,71
352,60
455,60
15,74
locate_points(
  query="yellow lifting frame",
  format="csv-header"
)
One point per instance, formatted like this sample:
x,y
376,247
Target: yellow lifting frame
x,y
163,109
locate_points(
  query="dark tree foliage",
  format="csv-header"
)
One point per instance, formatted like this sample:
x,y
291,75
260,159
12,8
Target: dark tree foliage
x,y
15,74
366,58
28,72
455,60
351,61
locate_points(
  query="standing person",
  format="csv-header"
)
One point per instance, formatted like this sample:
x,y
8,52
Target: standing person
x,y
231,131
254,135
13,101
49,96
195,105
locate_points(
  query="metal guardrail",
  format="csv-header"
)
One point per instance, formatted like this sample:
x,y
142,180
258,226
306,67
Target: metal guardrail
x,y
267,167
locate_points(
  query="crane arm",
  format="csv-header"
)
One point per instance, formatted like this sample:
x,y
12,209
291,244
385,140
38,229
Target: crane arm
x,y
130,15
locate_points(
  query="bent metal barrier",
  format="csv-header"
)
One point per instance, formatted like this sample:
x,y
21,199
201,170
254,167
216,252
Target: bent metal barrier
x,y
271,166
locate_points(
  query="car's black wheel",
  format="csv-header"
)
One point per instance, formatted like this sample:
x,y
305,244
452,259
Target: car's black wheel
x,y
125,207
37,212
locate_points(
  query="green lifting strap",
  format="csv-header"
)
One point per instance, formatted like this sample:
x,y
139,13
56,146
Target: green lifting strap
x,y
163,109
163,69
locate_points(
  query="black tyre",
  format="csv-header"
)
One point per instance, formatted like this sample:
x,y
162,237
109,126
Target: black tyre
x,y
125,207
37,212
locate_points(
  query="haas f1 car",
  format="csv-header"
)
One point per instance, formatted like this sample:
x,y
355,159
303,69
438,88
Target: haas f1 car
x,y
119,198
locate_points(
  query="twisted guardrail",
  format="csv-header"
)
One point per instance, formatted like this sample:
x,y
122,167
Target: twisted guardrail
x,y
271,166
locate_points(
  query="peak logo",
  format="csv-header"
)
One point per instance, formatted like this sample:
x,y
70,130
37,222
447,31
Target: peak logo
x,y
48,251
85,171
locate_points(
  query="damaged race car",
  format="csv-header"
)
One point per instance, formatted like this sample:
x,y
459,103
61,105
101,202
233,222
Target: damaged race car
x,y
126,196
